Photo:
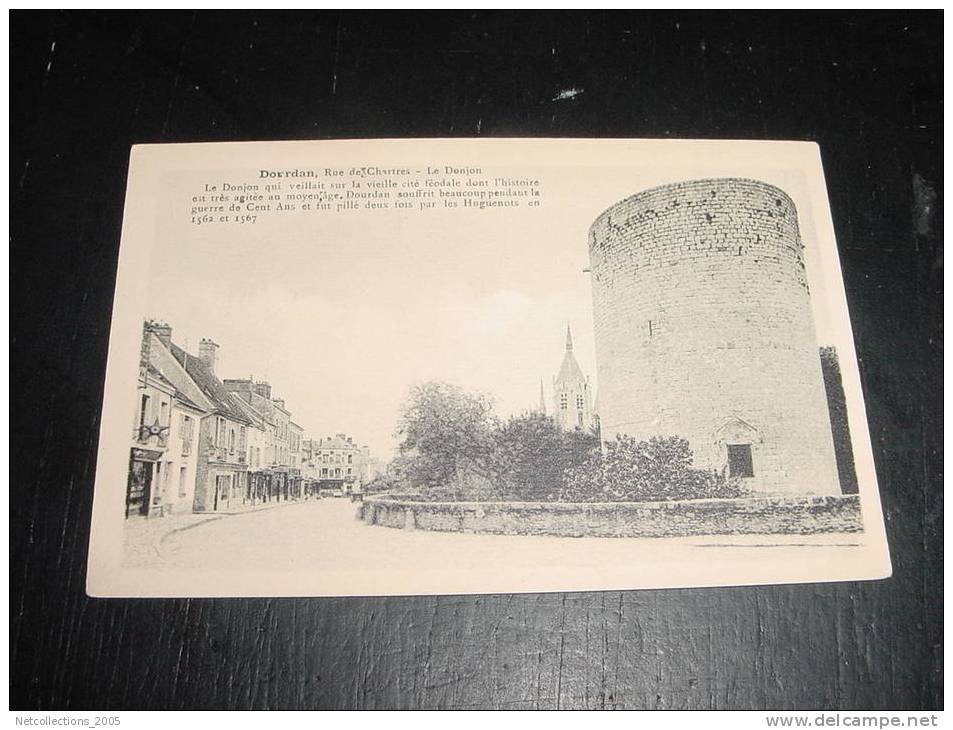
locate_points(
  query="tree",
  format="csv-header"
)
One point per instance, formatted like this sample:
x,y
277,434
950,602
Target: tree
x,y
445,436
837,409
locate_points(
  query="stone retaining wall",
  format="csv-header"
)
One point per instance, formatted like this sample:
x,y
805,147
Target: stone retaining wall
x,y
763,515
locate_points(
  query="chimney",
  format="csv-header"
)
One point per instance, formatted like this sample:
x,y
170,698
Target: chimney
x,y
207,353
280,402
160,330
263,389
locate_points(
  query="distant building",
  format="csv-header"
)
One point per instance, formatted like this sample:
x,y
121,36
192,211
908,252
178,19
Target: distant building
x,y
572,393
340,464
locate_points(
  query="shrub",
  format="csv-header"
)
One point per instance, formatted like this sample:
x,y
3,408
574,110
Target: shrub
x,y
531,453
642,471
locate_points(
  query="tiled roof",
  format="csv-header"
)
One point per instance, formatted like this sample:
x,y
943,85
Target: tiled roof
x,y
224,402
156,374
180,396
253,414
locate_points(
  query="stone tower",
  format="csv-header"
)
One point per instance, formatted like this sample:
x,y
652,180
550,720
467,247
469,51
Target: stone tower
x,y
704,330
572,396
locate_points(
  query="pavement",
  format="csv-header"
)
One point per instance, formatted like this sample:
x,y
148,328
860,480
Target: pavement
x,y
143,538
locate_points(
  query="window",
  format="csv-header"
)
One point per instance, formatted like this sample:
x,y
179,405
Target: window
x,y
182,475
241,440
185,430
579,402
739,460
163,413
220,431
324,472
349,458
563,402
231,440
579,419
143,410
349,471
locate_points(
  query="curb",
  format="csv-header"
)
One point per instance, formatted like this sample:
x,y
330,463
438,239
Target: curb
x,y
213,517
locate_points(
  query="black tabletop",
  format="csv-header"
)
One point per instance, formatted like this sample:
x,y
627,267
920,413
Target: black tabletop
x,y
85,86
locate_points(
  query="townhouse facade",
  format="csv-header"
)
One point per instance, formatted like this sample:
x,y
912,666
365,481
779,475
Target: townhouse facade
x,y
200,443
340,464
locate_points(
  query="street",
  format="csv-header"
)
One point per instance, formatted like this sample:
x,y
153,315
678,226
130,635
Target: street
x,y
325,537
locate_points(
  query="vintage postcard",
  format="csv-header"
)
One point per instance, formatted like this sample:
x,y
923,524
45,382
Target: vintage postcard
x,y
479,366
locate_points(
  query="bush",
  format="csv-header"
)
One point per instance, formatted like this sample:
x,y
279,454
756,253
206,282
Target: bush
x,y
643,471
531,453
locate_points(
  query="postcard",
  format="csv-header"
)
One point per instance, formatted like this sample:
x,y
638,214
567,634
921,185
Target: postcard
x,y
441,366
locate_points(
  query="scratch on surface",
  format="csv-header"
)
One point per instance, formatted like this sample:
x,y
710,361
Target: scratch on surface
x,y
337,55
49,61
26,168
924,197
568,94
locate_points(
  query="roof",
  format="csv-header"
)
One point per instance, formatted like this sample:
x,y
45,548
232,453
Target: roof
x,y
155,374
254,415
570,370
334,443
223,401
183,399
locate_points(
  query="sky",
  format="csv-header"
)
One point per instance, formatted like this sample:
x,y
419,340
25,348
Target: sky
x,y
342,314
343,319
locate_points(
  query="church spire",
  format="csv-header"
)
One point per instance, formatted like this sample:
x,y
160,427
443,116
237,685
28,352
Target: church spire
x,y
568,339
542,398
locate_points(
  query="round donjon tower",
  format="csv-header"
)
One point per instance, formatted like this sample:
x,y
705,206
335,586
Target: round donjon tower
x,y
704,330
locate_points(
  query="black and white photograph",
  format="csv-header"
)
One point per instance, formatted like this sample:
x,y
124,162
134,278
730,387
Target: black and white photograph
x,y
526,359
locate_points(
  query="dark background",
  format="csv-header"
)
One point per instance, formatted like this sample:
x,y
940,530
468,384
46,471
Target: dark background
x,y
84,87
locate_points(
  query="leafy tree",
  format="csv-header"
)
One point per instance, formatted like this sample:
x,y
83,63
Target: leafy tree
x,y
445,436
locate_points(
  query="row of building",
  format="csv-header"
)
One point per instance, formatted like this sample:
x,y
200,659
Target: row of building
x,y
201,443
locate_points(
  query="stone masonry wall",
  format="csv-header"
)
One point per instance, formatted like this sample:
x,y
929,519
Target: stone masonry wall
x,y
704,329
795,515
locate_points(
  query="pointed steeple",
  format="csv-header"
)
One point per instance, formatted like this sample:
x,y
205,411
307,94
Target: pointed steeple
x,y
571,393
542,398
